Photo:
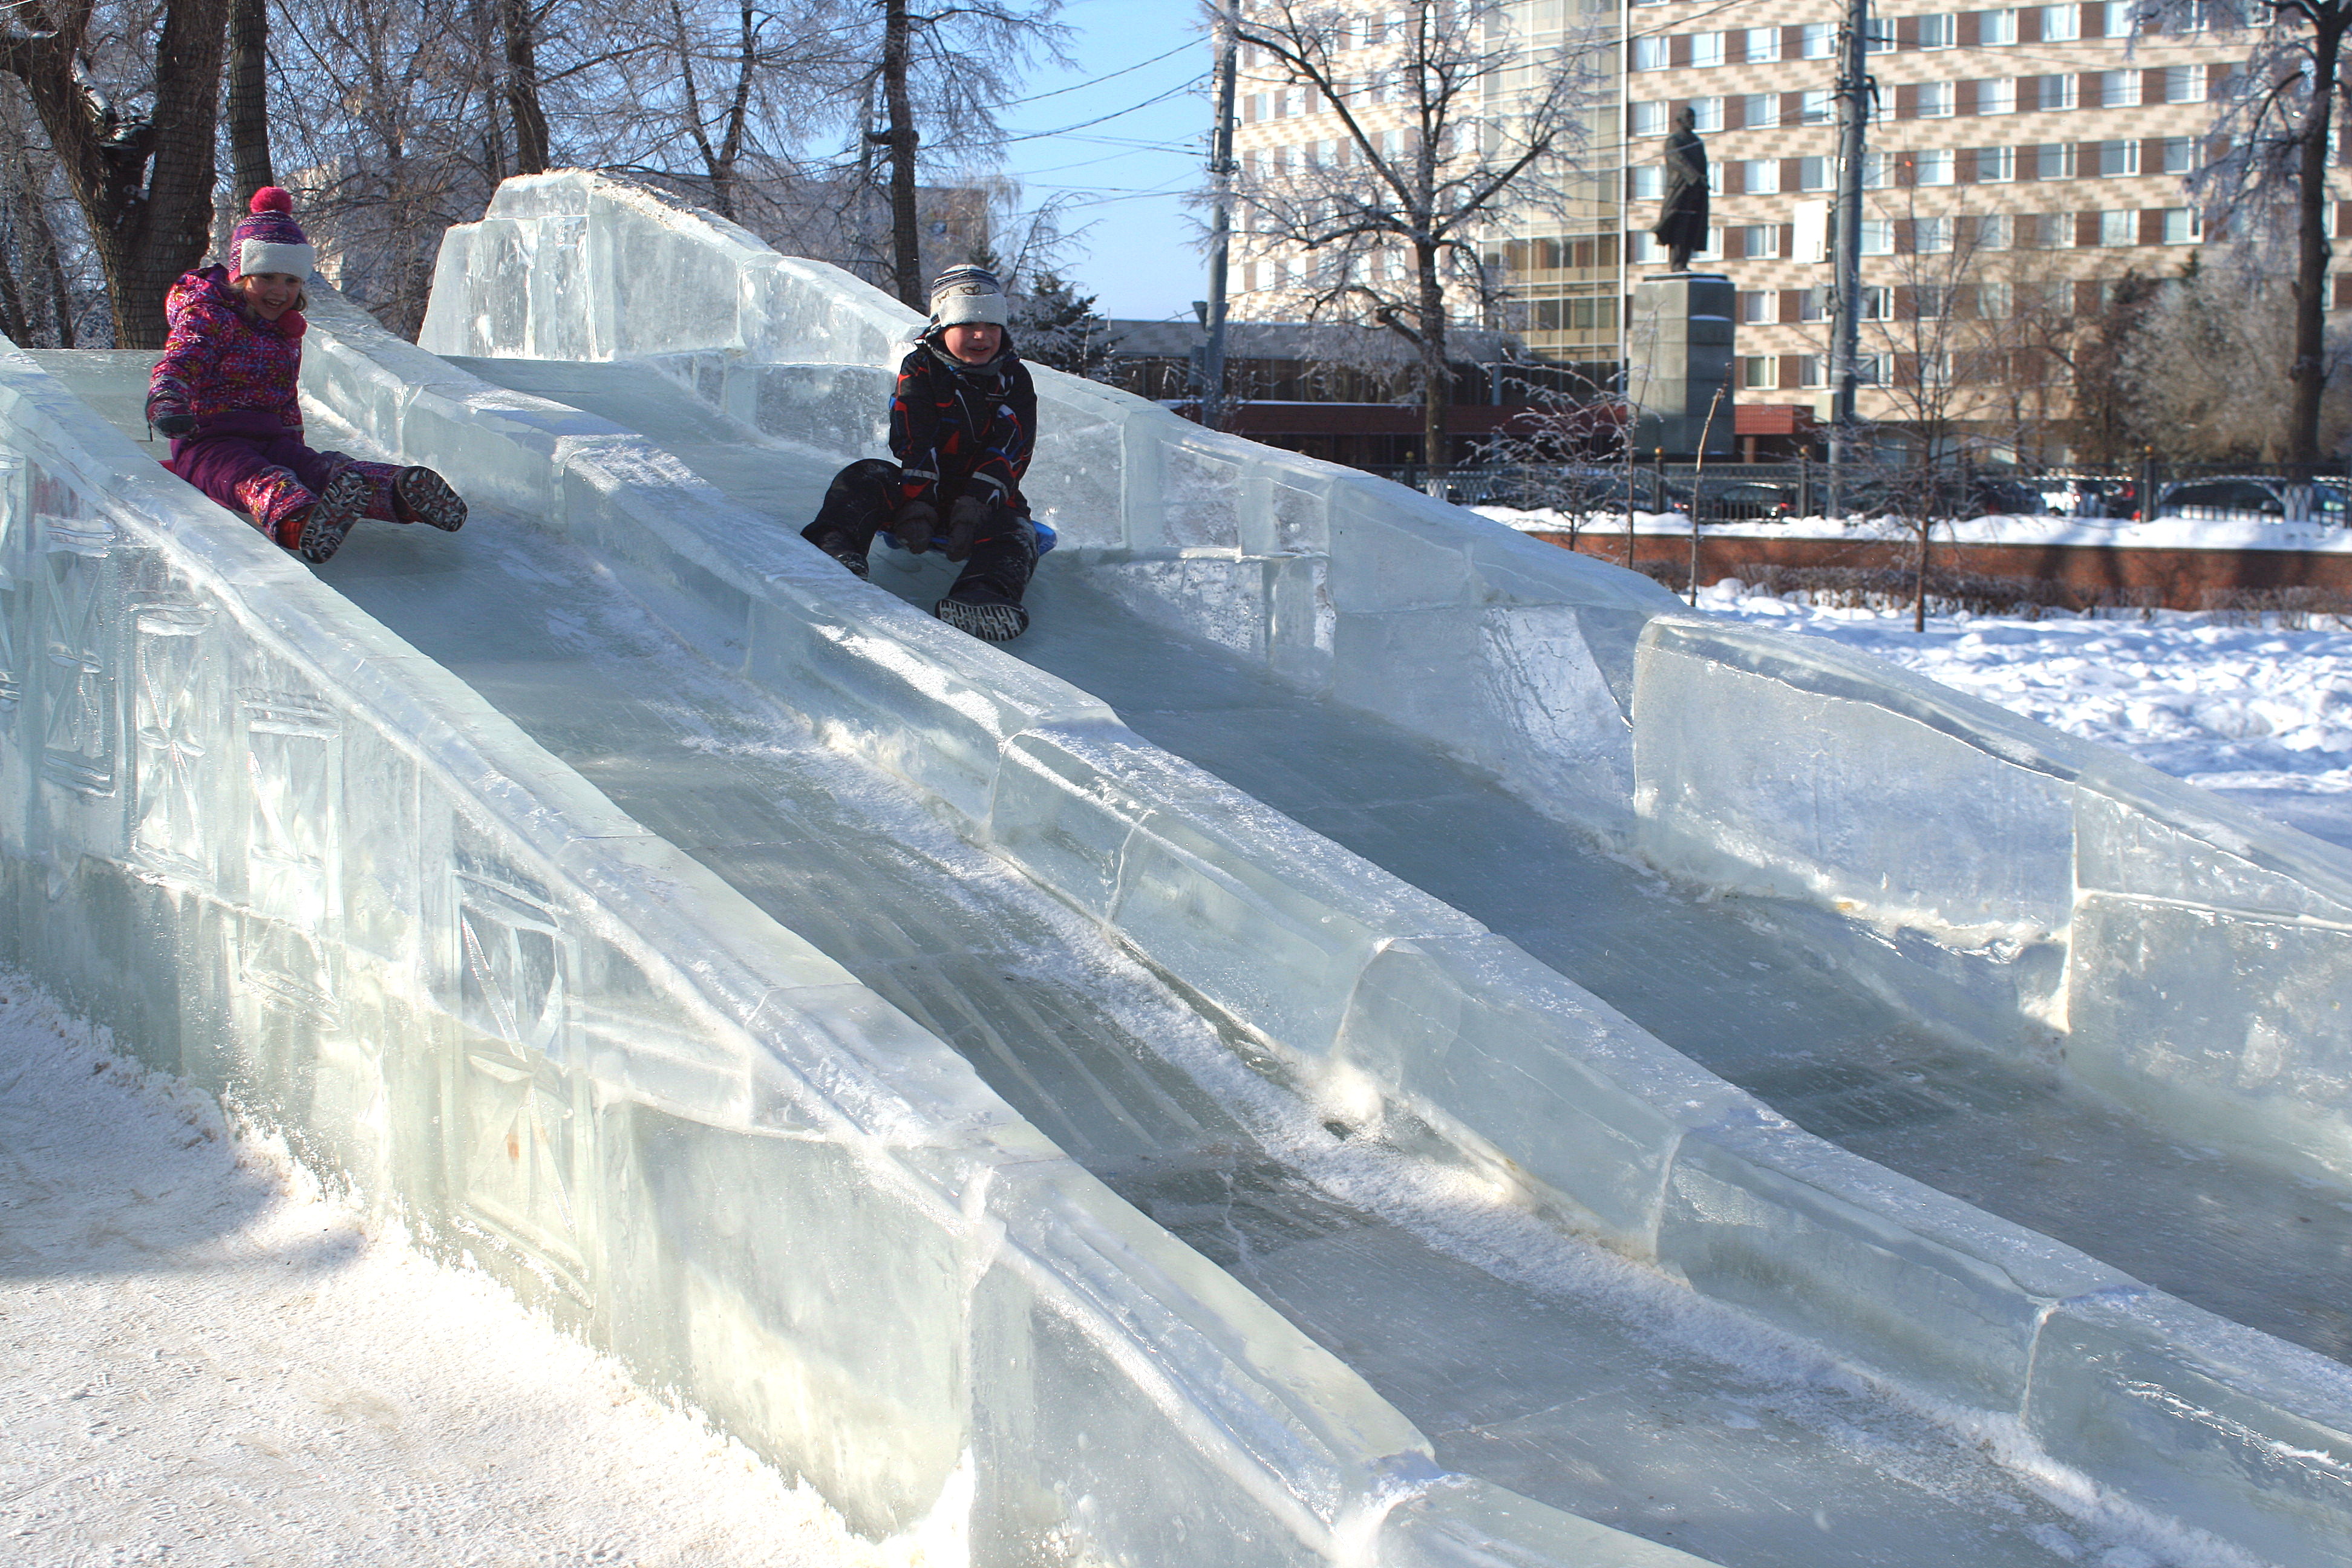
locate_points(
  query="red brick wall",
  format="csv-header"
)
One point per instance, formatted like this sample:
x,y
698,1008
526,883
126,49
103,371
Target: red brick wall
x,y
2180,578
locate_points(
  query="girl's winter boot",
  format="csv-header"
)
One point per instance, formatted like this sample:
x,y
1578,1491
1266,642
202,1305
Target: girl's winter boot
x,y
322,526
420,495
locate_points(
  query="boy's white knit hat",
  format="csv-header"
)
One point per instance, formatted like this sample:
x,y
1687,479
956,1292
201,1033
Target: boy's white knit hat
x,y
969,296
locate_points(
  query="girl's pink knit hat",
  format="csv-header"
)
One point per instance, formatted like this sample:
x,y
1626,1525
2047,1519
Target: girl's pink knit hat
x,y
270,240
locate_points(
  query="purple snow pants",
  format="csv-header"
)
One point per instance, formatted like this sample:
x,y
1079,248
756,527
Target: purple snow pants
x,y
249,463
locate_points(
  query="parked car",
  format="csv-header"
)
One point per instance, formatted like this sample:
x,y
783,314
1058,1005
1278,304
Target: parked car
x,y
1750,501
2254,497
1597,491
2074,495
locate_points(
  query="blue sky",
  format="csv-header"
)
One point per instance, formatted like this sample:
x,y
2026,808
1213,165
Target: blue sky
x,y
1126,173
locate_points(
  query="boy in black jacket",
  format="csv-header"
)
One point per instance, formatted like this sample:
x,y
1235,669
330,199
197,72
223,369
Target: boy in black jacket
x,y
964,420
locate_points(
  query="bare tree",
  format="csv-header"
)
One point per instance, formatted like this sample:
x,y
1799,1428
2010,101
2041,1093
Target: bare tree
x,y
2201,329
1446,123
2273,136
129,103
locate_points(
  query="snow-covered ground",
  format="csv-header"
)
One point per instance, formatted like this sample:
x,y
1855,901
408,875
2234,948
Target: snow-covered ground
x,y
204,1360
2260,713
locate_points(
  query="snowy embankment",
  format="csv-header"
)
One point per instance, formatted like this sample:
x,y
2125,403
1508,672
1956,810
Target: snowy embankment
x,y
2261,713
209,1359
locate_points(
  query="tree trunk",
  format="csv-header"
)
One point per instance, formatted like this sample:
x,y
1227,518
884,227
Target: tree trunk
x,y
2307,376
145,182
248,98
15,324
521,30
906,239
1436,376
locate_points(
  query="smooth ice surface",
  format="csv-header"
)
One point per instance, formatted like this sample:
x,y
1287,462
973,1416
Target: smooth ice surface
x,y
1395,800
1711,977
1428,1290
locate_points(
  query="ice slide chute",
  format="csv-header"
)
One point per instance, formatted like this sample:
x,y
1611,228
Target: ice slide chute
x,y
1355,986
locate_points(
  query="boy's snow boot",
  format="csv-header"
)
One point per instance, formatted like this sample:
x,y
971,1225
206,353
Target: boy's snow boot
x,y
420,495
985,601
842,548
331,516
981,609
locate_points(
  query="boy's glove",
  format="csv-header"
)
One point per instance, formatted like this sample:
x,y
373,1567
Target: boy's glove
x,y
169,419
965,520
913,526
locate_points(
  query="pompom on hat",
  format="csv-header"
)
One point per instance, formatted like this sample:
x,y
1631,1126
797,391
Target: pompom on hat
x,y
969,296
269,240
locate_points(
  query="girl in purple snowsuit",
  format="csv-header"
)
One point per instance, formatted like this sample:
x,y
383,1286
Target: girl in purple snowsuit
x,y
225,393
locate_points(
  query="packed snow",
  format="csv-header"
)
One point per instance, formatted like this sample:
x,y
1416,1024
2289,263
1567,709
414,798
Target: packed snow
x,y
2253,709
2107,532
208,1360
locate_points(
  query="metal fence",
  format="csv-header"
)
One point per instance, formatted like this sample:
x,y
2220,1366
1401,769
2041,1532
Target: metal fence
x,y
1738,493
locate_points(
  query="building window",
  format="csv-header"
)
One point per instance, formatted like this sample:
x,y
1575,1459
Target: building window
x,y
2119,227
1870,369
1930,302
1935,100
2118,160
1880,40
1759,111
1758,372
2122,18
1758,241
1813,173
2179,155
1653,54
1708,112
2061,24
1814,107
2051,93
1755,307
1994,303
2052,160
2118,90
1646,182
1706,49
1995,165
1878,237
1763,45
1808,369
1931,236
1997,27
1989,231
1760,177
1938,32
1998,96
2177,225
1817,40
2184,84
1650,119
2045,231
1877,303
1933,167
1873,170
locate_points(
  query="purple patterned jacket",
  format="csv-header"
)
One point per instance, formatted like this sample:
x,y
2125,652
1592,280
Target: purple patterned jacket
x,y
222,364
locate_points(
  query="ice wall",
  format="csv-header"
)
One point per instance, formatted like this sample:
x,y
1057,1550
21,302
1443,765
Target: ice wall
x,y
1360,986
2185,954
280,853
1512,653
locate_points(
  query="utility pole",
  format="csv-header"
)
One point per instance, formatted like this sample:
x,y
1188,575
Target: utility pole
x,y
1221,221
1853,96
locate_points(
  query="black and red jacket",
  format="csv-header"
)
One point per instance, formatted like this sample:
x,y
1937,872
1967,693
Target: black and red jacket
x,y
958,429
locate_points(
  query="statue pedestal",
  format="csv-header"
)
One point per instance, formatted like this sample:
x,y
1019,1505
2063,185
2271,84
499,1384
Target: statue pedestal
x,y
1678,351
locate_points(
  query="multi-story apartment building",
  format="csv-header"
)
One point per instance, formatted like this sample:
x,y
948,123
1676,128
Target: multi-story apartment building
x,y
2023,161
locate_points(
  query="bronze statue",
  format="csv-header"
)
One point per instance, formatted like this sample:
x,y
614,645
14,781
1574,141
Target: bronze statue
x,y
1682,225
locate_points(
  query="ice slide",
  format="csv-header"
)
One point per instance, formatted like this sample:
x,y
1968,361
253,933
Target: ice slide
x,y
619,1048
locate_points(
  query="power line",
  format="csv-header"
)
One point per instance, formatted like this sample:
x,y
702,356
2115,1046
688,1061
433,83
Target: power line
x,y
1182,86
1124,70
